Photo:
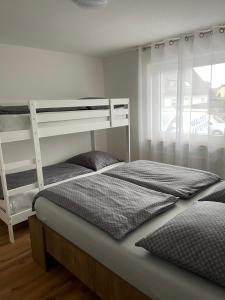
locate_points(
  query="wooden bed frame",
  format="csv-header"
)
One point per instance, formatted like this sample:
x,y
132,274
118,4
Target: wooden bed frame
x,y
46,243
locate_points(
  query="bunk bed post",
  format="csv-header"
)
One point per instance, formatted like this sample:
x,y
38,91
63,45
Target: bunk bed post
x,y
6,196
128,134
128,158
115,121
37,149
111,112
11,233
93,146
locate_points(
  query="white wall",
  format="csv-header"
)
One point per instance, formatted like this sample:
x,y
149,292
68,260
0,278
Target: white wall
x,y
28,73
121,80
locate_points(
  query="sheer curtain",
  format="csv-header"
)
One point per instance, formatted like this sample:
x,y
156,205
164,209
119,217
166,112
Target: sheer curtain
x,y
182,101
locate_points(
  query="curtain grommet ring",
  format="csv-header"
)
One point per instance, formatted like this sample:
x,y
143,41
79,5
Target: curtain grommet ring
x,y
171,42
201,34
221,30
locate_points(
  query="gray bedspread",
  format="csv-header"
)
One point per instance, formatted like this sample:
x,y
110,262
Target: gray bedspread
x,y
111,204
51,174
178,181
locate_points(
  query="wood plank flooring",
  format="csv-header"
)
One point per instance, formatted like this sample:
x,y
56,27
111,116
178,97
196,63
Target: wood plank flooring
x,y
22,279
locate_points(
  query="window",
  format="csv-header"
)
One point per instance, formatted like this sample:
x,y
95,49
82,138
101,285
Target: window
x,y
202,110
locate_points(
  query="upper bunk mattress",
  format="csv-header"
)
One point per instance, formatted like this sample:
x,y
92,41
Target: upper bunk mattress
x,y
178,181
51,174
24,109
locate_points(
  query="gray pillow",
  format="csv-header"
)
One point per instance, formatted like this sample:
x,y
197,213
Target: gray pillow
x,y
94,160
193,240
217,195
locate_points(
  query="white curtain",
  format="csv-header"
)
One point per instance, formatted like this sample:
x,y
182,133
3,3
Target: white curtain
x,y
182,101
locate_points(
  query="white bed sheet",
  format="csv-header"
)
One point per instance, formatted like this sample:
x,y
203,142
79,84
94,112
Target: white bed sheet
x,y
153,276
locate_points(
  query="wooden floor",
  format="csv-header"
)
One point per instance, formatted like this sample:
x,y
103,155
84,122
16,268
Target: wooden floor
x,y
21,278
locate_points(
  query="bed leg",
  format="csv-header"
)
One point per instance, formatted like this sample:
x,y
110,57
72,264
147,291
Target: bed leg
x,y
37,238
11,233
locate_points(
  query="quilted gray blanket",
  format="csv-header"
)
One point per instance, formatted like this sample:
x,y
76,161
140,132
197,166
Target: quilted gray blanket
x,y
111,204
178,181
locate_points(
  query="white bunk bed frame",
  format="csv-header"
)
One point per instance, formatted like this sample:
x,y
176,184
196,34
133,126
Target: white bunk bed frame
x,y
47,124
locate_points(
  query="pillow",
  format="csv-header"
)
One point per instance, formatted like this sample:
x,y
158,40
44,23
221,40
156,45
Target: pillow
x,y
94,160
217,195
193,240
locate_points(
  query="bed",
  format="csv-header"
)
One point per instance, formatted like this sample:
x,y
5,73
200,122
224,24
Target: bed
x,y
131,272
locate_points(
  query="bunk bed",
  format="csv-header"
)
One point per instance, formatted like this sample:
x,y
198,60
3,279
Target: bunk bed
x,y
20,180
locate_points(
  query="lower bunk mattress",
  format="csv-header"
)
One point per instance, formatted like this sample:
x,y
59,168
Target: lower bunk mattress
x,y
52,174
153,276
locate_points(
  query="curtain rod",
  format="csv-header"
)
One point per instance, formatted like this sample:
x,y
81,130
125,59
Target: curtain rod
x,y
187,36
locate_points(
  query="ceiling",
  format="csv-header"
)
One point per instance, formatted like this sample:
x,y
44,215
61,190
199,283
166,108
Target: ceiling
x,y
62,26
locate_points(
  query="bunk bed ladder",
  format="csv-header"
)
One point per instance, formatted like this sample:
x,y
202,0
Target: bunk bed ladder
x,y
37,148
8,218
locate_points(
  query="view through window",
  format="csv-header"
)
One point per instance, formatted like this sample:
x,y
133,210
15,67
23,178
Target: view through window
x,y
203,101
